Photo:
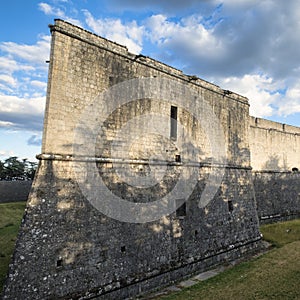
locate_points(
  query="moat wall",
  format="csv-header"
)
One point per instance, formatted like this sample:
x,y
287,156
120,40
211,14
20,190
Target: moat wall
x,y
14,191
275,158
67,248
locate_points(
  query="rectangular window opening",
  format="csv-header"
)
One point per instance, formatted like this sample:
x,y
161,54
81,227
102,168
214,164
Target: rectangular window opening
x,y
230,205
173,131
59,262
181,210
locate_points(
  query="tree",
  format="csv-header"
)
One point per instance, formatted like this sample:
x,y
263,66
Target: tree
x,y
30,169
2,170
14,169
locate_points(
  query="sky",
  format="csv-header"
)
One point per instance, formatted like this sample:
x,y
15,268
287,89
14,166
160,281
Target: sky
x,y
251,47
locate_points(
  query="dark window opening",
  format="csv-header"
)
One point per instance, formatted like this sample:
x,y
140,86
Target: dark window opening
x,y
123,249
59,262
173,132
181,210
196,232
230,205
177,158
295,169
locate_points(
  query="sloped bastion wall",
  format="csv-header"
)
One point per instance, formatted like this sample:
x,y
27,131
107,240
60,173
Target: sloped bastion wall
x,y
144,177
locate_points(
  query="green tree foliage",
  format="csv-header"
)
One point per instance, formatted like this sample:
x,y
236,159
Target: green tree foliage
x,y
15,169
2,170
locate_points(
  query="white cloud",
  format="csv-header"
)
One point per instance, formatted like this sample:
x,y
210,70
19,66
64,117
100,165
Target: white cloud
x,y
291,102
129,34
6,124
8,65
45,8
22,113
6,89
36,54
261,91
8,80
57,12
187,36
39,84
35,140
267,96
14,104
23,70
6,153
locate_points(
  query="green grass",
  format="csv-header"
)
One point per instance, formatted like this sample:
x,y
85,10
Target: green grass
x,y
10,219
274,275
280,234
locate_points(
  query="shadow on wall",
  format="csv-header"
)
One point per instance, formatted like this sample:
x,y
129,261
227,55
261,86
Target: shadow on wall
x,y
273,163
277,192
241,154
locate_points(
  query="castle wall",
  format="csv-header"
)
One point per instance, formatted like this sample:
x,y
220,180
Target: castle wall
x,y
274,146
69,246
275,158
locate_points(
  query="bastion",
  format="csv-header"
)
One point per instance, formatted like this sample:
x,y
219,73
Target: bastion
x,y
144,178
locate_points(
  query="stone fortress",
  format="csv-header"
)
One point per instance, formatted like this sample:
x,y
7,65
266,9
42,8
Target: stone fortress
x,y
70,247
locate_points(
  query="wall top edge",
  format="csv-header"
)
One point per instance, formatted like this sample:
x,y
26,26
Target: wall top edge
x,y
84,35
272,125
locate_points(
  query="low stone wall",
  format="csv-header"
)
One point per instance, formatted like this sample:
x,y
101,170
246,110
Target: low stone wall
x,y
14,191
277,195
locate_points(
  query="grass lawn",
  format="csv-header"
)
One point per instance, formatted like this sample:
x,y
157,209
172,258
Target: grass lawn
x,y
10,218
274,275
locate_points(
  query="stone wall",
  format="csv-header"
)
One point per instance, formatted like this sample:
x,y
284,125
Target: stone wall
x,y
274,146
277,195
14,191
96,152
275,158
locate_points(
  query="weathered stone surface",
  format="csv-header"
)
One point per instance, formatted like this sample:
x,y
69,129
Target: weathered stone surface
x,y
277,195
275,158
274,146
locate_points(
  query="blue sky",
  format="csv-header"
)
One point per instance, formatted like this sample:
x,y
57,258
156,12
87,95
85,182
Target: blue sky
x,y
247,46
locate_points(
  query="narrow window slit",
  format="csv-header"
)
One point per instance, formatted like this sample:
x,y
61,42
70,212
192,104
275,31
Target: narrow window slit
x,y
173,132
59,262
230,205
181,210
